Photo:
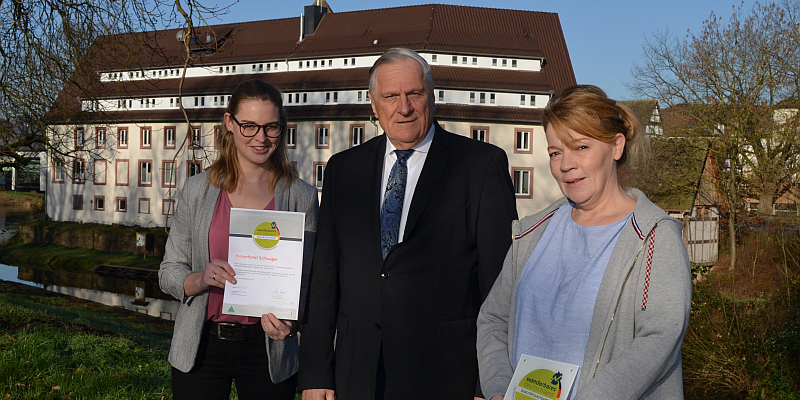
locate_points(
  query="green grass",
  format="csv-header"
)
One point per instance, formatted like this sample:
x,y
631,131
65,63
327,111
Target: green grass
x,y
19,199
70,259
63,348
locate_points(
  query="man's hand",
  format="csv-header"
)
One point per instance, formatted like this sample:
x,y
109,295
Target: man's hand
x,y
318,394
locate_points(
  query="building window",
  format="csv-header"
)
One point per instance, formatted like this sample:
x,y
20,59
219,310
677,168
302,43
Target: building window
x,y
483,98
269,66
100,138
216,100
523,142
464,60
291,137
168,173
78,171
261,67
474,60
222,100
146,137
99,168
202,102
315,63
480,133
289,98
327,97
79,139
196,101
58,171
505,63
254,68
494,62
300,65
455,60
196,137
523,182
491,98
533,101
335,97
169,137
122,204
146,173
122,172
472,97
144,206
77,202
171,102
167,207
353,62
99,203
433,58
441,95
305,97
360,96
319,174
522,100
322,136
193,167
217,134
513,63
356,135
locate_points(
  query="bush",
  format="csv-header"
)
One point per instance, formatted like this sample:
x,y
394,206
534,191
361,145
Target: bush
x,y
743,340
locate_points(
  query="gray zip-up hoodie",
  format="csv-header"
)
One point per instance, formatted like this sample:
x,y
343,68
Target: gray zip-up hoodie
x,y
634,347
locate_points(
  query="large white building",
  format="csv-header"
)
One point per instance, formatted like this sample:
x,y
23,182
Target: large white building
x,y
494,72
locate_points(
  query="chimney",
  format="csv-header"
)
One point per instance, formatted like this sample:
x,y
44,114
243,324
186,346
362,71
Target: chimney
x,y
313,16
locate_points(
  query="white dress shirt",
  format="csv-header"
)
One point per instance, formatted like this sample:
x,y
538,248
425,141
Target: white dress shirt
x,y
415,164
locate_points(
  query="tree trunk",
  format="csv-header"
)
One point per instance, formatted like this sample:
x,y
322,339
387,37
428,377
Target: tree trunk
x,y
765,202
732,235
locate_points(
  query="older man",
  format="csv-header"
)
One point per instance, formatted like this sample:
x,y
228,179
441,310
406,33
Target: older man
x,y
413,229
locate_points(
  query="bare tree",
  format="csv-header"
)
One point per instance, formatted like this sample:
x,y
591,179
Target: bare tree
x,y
50,53
736,83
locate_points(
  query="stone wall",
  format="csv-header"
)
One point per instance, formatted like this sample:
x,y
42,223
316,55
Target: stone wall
x,y
91,236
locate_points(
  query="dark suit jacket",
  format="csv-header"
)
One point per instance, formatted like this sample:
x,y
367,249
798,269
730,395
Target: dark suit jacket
x,y
420,304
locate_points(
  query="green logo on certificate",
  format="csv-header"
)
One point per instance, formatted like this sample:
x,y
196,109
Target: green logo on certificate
x,y
541,384
267,235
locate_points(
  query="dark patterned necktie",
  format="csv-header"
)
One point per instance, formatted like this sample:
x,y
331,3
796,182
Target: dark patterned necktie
x,y
392,208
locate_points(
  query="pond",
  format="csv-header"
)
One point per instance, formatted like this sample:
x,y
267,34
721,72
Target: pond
x,y
143,297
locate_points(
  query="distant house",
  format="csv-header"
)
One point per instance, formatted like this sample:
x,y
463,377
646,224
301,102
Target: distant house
x,y
494,70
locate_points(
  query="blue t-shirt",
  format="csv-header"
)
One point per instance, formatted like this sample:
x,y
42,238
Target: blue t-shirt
x,y
558,288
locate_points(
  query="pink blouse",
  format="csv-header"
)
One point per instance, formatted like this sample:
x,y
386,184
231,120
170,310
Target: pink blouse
x,y
218,249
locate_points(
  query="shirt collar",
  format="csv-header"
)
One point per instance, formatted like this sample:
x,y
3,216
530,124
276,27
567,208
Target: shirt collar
x,y
421,147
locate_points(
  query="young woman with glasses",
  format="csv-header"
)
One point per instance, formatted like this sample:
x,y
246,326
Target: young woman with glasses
x,y
210,349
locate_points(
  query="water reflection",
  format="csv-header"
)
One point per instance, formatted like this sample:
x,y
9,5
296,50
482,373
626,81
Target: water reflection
x,y
109,291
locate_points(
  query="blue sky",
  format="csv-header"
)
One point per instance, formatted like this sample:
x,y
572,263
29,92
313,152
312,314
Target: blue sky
x,y
604,38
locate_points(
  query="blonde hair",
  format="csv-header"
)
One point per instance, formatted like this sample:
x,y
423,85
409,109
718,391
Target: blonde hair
x,y
225,172
587,110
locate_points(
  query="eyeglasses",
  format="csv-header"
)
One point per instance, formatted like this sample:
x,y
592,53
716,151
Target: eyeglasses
x,y
250,129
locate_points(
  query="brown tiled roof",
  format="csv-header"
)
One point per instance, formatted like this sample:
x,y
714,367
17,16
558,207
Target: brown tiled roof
x,y
643,109
433,27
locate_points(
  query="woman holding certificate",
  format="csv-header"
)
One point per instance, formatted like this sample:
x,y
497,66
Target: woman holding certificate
x,y
211,349
599,279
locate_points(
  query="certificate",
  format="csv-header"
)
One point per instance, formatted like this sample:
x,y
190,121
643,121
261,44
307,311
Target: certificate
x,y
541,379
265,249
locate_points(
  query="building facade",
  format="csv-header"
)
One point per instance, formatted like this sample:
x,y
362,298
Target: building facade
x,y
494,72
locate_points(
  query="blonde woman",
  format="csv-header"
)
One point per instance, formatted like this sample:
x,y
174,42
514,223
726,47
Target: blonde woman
x,y
600,278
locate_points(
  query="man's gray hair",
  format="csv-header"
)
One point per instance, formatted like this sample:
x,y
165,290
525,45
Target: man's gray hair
x,y
397,54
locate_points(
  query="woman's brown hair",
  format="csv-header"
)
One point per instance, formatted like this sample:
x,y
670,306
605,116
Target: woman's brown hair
x,y
225,172
587,110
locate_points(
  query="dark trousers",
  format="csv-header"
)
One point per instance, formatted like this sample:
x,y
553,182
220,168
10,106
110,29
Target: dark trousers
x,y
219,362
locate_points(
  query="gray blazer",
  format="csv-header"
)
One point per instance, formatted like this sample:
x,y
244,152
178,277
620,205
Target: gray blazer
x,y
187,252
